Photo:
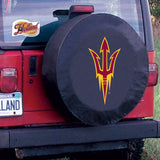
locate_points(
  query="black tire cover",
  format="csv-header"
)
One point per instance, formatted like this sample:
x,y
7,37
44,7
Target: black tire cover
x,y
72,68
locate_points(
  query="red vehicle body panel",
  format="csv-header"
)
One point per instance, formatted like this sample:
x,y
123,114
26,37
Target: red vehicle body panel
x,y
36,106
145,107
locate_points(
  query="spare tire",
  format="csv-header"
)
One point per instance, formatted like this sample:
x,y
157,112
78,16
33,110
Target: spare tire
x,y
97,67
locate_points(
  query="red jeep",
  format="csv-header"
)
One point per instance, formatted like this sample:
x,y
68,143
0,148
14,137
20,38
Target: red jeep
x,y
76,77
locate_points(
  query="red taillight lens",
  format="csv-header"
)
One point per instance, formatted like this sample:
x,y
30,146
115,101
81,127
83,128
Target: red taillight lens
x,y
153,74
82,8
8,80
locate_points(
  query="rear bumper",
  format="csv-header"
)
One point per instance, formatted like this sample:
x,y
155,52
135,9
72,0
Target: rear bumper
x,y
78,135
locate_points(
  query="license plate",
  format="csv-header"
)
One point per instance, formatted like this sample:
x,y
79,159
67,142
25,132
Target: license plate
x,y
11,104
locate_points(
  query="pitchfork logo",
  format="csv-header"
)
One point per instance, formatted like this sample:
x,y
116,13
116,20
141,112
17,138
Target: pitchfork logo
x,y
106,73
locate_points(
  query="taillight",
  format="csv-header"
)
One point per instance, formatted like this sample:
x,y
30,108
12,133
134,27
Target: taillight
x,y
82,9
153,74
8,80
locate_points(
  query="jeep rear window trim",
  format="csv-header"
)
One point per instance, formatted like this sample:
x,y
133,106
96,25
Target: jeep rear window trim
x,y
30,47
1,22
147,26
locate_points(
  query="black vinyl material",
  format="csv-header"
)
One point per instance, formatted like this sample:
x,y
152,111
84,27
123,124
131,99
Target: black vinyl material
x,y
69,69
